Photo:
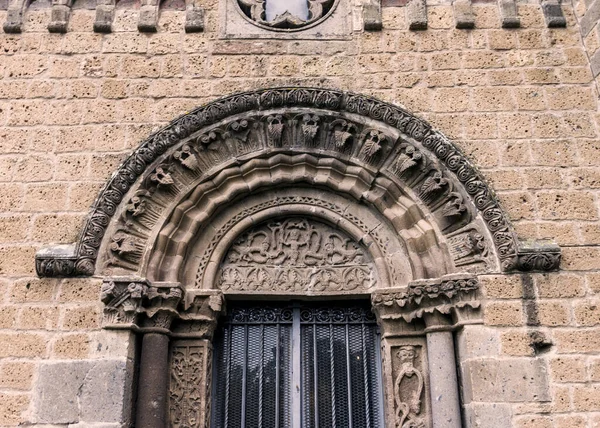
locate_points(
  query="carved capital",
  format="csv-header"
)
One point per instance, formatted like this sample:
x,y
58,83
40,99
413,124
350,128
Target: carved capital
x,y
134,302
451,295
200,313
123,299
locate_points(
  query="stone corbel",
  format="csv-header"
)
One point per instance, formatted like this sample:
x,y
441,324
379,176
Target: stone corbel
x,y
416,13
59,16
464,17
538,256
14,18
148,18
105,15
372,20
553,14
194,17
509,14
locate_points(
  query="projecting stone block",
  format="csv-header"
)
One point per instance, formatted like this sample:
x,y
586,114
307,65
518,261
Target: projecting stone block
x,y
510,380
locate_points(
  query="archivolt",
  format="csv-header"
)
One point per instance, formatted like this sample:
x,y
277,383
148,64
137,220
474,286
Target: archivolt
x,y
377,154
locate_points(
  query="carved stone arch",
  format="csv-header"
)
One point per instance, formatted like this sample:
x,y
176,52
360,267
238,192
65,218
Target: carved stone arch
x,y
410,220
233,133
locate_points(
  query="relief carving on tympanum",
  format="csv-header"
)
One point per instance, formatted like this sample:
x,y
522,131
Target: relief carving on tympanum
x,y
296,255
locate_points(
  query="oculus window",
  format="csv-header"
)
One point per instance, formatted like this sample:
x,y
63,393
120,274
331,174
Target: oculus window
x,y
298,365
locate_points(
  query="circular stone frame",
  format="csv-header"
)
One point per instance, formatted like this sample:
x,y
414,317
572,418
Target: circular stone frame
x,y
309,24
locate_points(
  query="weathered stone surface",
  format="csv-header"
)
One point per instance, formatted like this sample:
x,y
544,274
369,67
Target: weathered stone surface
x,y
83,391
480,415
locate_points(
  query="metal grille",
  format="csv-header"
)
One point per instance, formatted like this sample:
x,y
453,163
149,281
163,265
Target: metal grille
x,y
298,366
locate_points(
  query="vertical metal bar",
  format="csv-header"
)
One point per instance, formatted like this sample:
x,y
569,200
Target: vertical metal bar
x,y
277,350
316,375
378,369
227,376
365,376
244,374
296,398
349,377
260,375
332,374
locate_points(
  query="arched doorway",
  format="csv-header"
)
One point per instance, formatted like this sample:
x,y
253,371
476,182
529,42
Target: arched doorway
x,y
295,194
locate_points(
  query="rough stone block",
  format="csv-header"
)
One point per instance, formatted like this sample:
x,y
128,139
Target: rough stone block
x,y
477,341
83,391
479,415
507,380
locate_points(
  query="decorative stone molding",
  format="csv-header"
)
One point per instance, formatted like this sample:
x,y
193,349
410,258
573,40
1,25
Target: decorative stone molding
x,y
148,17
397,149
194,17
190,383
454,295
134,303
538,256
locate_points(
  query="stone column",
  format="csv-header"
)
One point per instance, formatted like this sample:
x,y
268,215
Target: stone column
x,y
443,381
153,382
417,324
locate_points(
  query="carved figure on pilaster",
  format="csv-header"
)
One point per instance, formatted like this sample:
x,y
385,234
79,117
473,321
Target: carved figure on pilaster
x,y
408,388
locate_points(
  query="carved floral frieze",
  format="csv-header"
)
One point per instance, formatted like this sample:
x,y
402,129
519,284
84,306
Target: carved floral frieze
x,y
304,120
442,296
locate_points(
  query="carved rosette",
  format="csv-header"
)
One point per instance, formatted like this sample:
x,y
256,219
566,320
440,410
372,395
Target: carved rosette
x,y
187,152
296,255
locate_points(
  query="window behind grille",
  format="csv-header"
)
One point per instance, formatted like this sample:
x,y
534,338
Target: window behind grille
x,y
329,352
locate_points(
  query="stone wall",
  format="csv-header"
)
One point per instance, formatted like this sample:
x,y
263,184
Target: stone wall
x,y
521,102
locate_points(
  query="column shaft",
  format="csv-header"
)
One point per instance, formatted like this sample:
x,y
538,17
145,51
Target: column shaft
x,y
153,382
445,404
